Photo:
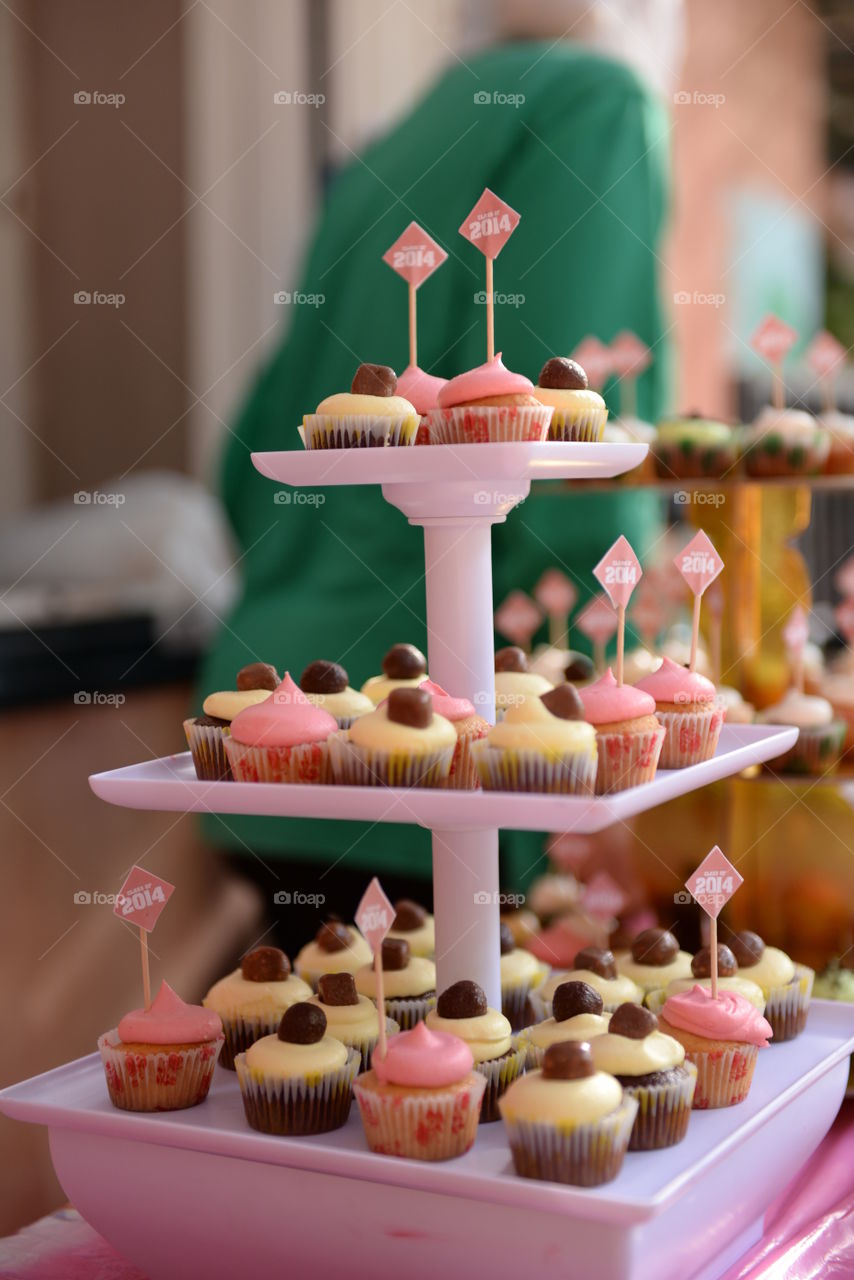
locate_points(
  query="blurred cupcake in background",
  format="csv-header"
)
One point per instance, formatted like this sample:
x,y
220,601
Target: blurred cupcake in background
x,y
821,735
521,973
415,925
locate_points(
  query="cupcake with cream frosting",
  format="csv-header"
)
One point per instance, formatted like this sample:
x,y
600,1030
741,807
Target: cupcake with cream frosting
x,y
654,960
597,968
558,665
335,948
629,736
462,1011
722,1036
821,736
409,983
694,448
371,414
403,743
282,739
578,413
729,979
786,986
521,972
415,924
325,685
206,733
350,1018
686,705
403,667
252,999
577,1014
736,710
515,681
541,744
840,427
487,404
161,1058
785,442
421,389
469,728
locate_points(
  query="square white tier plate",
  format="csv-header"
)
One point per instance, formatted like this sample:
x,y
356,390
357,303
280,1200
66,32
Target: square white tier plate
x,y
197,1192
171,783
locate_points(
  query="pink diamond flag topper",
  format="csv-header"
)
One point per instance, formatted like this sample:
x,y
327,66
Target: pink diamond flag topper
x,y
844,614
843,579
517,617
825,353
597,620
490,224
796,630
714,882
629,356
773,338
699,563
595,359
142,897
602,897
619,572
414,255
556,593
375,915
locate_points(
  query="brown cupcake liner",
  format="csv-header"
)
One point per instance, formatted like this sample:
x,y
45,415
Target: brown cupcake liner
x,y
463,775
489,424
627,759
516,1005
308,762
586,425
501,769
357,766
298,1105
410,1011
424,1124
588,1155
691,737
157,1081
500,1074
356,431
207,747
816,751
663,1111
787,1007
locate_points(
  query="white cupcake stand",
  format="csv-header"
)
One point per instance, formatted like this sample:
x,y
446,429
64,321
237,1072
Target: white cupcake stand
x,y
198,1192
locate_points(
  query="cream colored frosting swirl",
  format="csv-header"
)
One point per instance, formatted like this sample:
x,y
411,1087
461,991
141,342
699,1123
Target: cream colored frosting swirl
x,y
422,941
346,404
514,686
312,960
622,1056
279,1059
619,990
801,709
236,997
343,704
530,726
376,732
794,425
488,1035
650,976
519,968
416,979
226,704
584,1026
568,398
377,688
350,1023
535,1099
774,969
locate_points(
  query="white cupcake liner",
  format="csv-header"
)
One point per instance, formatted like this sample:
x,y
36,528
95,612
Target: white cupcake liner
x,y
463,775
816,751
691,736
499,1073
357,431
663,1111
423,1124
358,766
365,1048
587,424
503,769
207,747
297,1105
167,1080
627,759
409,1010
308,762
241,1032
486,424
515,1001
587,1155
724,1075
786,1007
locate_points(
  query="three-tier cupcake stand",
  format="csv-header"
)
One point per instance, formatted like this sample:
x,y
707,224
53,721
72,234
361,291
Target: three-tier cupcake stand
x,y
198,1192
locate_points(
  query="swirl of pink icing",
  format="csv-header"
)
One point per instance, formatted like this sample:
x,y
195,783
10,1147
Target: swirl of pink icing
x,y
605,701
419,388
729,1017
490,379
444,704
424,1059
672,683
170,1021
285,719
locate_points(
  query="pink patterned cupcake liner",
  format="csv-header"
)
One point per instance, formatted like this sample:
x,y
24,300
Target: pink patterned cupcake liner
x,y
627,759
692,736
166,1080
489,424
421,1124
308,762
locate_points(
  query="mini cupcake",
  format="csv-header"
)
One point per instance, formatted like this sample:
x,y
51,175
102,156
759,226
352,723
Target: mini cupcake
x,y
578,412
325,685
514,681
335,948
729,979
542,744
422,1100
785,442
283,739
821,737
686,705
733,705
422,391
568,1122
787,986
629,737
654,960
523,924
206,733
401,744
596,967
840,427
558,665
414,923
409,983
462,1011
350,1018
486,405
298,1081
722,1037
694,448
370,415
162,1058
469,728
403,667
578,1015
251,1000
521,972
651,1067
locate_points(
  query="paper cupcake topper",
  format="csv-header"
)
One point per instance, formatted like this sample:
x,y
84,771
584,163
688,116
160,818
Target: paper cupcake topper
x,y
595,359
598,621
602,897
517,618
773,339
699,565
489,226
557,595
139,902
712,885
619,572
375,916
415,255
825,354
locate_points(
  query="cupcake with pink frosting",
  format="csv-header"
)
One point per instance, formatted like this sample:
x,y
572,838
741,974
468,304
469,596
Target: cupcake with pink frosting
x,y
161,1058
629,736
422,1099
488,404
421,389
469,728
283,739
687,706
721,1035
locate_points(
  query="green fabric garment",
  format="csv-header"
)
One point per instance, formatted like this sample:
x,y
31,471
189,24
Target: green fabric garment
x,y
584,161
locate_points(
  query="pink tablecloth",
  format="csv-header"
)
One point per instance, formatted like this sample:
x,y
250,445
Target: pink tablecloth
x,y
809,1231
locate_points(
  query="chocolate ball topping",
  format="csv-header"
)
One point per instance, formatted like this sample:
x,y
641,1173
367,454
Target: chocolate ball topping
x,y
572,998
374,380
568,1060
579,667
302,1023
333,936
563,701
596,960
404,662
747,947
408,916
396,954
655,947
337,988
632,1021
265,964
323,677
562,374
506,939
462,1000
412,707
701,965
511,659
258,675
